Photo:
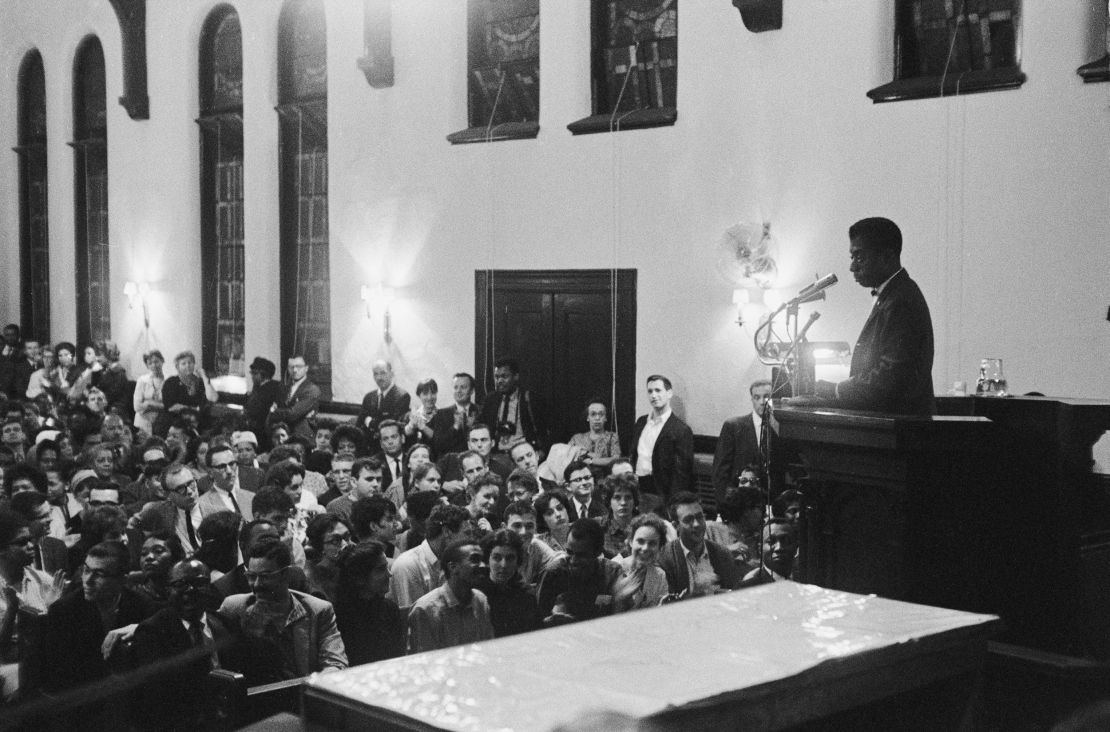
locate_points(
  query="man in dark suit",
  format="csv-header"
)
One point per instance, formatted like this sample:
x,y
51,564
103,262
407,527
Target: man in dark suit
x,y
299,402
26,366
693,564
265,392
391,437
194,639
740,440
512,412
662,445
75,626
892,364
388,401
179,513
451,425
584,503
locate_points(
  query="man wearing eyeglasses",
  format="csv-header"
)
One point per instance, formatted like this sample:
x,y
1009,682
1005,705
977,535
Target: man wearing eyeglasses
x,y
179,513
298,629
200,640
232,486
75,626
580,484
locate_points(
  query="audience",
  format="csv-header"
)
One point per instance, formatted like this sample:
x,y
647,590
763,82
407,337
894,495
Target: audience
x,y
213,518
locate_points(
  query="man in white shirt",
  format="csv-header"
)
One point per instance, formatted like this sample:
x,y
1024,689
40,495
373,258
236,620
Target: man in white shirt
x,y
662,447
417,571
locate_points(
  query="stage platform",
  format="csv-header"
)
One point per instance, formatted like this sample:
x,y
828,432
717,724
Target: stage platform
x,y
772,657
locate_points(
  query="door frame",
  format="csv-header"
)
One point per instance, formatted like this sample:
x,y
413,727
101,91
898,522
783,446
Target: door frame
x,y
619,282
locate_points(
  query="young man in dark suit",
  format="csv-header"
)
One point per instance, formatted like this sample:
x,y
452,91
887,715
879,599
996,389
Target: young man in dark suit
x,y
662,446
739,443
299,401
388,401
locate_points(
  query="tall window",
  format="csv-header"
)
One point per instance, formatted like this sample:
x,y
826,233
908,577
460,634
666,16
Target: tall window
x,y
503,64
34,249
949,47
633,66
221,192
303,110
94,317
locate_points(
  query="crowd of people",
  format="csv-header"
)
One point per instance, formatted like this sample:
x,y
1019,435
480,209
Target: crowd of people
x,y
142,521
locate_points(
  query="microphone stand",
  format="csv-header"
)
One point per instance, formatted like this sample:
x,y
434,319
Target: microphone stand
x,y
765,464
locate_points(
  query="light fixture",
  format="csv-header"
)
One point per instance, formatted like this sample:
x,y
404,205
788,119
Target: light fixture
x,y
379,298
139,290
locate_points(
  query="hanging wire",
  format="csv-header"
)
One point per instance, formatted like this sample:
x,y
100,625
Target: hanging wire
x,y
298,331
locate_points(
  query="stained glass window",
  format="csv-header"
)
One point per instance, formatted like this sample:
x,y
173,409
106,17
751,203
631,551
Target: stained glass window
x,y
634,65
950,47
221,124
503,63
34,241
94,317
305,283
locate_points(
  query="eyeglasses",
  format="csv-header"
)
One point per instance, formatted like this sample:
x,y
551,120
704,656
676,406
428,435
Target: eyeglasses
x,y
97,504
184,487
259,576
582,479
197,583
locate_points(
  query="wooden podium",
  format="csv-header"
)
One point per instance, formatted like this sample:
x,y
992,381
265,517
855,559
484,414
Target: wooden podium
x,y
989,507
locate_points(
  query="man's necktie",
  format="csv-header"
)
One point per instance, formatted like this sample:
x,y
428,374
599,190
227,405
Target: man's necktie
x,y
231,495
196,633
189,527
38,556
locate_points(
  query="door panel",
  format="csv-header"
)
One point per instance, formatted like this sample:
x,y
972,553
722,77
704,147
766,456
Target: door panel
x,y
582,360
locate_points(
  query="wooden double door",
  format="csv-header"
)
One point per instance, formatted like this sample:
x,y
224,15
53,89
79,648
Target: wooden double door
x,y
574,334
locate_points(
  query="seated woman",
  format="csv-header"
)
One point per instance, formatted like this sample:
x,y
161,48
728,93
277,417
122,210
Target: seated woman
x,y
600,446
644,583
189,388
371,624
553,517
741,519
417,455
327,536
67,370
347,439
621,495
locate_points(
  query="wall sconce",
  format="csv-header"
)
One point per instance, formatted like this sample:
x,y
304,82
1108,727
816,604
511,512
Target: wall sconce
x,y
140,290
751,304
379,298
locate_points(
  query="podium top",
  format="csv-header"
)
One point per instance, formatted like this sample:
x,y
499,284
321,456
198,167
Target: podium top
x,y
724,647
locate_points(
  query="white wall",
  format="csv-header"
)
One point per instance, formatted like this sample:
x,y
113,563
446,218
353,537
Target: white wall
x,y
1003,198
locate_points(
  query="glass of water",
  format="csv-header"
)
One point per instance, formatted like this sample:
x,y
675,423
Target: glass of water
x,y
992,382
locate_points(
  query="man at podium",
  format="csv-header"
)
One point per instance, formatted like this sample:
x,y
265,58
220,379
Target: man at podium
x,y
892,362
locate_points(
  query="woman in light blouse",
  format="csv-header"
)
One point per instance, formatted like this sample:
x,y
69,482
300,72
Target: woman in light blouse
x,y
644,583
147,400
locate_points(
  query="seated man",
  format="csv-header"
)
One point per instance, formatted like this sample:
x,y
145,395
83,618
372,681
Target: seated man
x,y
231,487
197,638
327,535
512,607
298,629
480,441
275,505
367,474
455,612
75,625
780,546
179,513
148,487
418,571
694,565
374,518
524,457
580,484
520,518
252,533
581,584
418,507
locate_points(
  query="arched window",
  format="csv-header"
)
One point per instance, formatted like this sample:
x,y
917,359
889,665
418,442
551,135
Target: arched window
x,y
221,192
303,111
90,175
34,242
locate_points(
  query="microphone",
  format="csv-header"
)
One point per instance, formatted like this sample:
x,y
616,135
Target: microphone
x,y
812,319
815,290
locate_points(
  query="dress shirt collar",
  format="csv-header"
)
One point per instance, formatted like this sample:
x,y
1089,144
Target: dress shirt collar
x,y
879,290
690,552
660,419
